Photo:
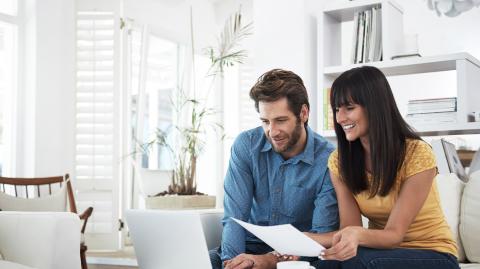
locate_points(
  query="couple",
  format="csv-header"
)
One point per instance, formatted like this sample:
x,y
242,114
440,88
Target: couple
x,y
283,172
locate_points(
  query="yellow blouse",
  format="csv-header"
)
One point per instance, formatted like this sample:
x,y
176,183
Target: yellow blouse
x,y
429,230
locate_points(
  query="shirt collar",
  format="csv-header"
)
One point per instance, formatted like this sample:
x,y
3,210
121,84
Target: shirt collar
x,y
306,156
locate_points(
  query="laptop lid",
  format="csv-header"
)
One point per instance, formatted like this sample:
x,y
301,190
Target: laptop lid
x,y
168,239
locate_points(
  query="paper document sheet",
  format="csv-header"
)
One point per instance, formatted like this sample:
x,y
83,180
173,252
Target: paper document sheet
x,y
285,239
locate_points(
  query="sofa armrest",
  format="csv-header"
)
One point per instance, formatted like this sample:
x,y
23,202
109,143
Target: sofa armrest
x,y
41,239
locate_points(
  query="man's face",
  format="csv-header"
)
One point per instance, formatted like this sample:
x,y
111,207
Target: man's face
x,y
282,128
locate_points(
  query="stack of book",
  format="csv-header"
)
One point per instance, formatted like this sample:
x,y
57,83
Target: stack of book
x,y
432,111
367,36
327,110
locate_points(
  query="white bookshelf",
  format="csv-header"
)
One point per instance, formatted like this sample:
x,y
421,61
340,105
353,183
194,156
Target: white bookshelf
x,y
330,65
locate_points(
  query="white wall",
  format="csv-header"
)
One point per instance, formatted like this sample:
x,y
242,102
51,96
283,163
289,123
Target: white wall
x,y
439,35
45,103
171,19
285,38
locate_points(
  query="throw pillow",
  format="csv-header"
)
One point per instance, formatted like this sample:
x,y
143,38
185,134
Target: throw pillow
x,y
470,218
450,189
56,202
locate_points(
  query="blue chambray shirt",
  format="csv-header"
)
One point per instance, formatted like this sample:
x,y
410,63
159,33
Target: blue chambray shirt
x,y
264,189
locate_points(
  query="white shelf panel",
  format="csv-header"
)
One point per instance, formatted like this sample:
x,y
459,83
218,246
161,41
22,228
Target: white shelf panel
x,y
449,129
327,133
408,66
433,130
344,11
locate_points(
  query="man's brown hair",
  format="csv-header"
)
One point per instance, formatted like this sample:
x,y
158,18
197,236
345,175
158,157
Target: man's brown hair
x,y
276,84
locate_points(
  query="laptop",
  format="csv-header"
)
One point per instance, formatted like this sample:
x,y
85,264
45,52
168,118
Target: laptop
x,y
174,239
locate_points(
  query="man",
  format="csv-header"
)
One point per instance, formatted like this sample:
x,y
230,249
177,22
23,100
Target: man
x,y
277,174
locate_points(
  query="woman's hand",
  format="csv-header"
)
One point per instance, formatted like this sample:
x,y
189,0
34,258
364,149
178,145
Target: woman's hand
x,y
344,244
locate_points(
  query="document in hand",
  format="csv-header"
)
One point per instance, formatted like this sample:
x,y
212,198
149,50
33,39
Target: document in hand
x,y
285,239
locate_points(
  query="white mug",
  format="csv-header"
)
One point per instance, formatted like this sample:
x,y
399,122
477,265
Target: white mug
x,y
294,265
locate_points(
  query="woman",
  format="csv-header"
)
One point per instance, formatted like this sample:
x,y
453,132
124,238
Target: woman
x,y
384,171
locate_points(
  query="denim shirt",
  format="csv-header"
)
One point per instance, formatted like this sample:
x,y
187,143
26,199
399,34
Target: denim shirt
x,y
264,189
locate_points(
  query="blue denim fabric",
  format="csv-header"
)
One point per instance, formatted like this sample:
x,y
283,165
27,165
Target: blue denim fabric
x,y
264,189
401,258
250,248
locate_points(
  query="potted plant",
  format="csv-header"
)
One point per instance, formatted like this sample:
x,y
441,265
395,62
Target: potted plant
x,y
190,137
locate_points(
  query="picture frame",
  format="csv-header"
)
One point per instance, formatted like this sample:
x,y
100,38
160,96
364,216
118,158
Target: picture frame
x,y
453,161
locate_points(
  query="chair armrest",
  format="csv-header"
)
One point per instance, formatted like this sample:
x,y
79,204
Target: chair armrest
x,y
41,239
84,217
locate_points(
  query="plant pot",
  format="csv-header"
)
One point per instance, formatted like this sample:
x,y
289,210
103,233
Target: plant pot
x,y
153,181
180,202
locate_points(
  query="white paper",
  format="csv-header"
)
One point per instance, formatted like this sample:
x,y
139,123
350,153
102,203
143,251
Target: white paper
x,y
285,239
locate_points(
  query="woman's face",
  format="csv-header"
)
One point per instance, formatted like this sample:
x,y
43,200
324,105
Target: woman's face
x,y
354,121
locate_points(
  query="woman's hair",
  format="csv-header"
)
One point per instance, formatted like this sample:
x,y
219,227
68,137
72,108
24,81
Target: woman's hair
x,y
387,131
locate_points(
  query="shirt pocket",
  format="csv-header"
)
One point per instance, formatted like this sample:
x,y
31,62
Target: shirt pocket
x,y
297,201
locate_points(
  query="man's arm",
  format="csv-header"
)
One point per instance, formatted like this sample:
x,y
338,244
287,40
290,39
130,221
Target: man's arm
x,y
238,198
325,220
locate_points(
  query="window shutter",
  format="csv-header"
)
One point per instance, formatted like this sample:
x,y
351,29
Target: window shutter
x,y
96,152
248,117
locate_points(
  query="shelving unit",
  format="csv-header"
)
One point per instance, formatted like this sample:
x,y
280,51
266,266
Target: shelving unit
x,y
467,67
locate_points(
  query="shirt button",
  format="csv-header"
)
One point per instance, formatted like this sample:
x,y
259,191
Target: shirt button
x,y
274,215
277,190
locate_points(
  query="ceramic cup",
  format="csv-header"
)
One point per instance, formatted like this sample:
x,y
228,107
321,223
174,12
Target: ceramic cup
x,y
294,265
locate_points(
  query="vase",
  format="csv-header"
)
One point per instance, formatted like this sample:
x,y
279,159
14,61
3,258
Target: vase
x,y
180,202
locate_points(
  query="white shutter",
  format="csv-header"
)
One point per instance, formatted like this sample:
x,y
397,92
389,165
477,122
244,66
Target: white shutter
x,y
96,153
248,116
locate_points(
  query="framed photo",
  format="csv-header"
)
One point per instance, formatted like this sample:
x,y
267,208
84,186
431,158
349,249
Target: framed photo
x,y
453,160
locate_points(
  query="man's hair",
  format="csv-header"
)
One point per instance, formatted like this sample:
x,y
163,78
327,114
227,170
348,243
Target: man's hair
x,y
276,84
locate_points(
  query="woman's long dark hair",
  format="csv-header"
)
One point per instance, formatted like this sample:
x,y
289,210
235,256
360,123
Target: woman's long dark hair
x,y
387,131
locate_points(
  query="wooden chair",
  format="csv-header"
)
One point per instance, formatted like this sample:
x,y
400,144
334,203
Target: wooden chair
x,y
32,194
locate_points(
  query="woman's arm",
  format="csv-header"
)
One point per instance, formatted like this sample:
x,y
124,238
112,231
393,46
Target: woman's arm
x,y
412,196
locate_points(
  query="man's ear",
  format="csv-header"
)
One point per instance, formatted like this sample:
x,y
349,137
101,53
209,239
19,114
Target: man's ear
x,y
304,113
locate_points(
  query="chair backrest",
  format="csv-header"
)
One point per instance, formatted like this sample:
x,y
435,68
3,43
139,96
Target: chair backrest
x,y
37,194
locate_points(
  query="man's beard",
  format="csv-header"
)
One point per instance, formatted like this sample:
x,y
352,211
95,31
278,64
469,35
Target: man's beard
x,y
292,141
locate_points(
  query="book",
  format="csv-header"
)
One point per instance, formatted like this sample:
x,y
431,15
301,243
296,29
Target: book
x,y
355,37
327,110
367,36
431,118
377,56
361,35
447,159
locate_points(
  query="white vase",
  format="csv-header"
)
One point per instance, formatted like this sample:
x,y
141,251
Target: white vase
x,y
180,202
153,181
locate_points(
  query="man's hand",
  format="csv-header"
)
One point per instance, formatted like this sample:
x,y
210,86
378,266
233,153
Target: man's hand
x,y
281,258
247,261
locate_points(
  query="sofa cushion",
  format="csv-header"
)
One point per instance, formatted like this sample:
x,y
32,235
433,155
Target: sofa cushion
x,y
450,189
56,202
470,266
470,218
46,240
11,265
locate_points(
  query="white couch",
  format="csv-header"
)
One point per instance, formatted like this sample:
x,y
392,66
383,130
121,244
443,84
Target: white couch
x,y
461,205
41,240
